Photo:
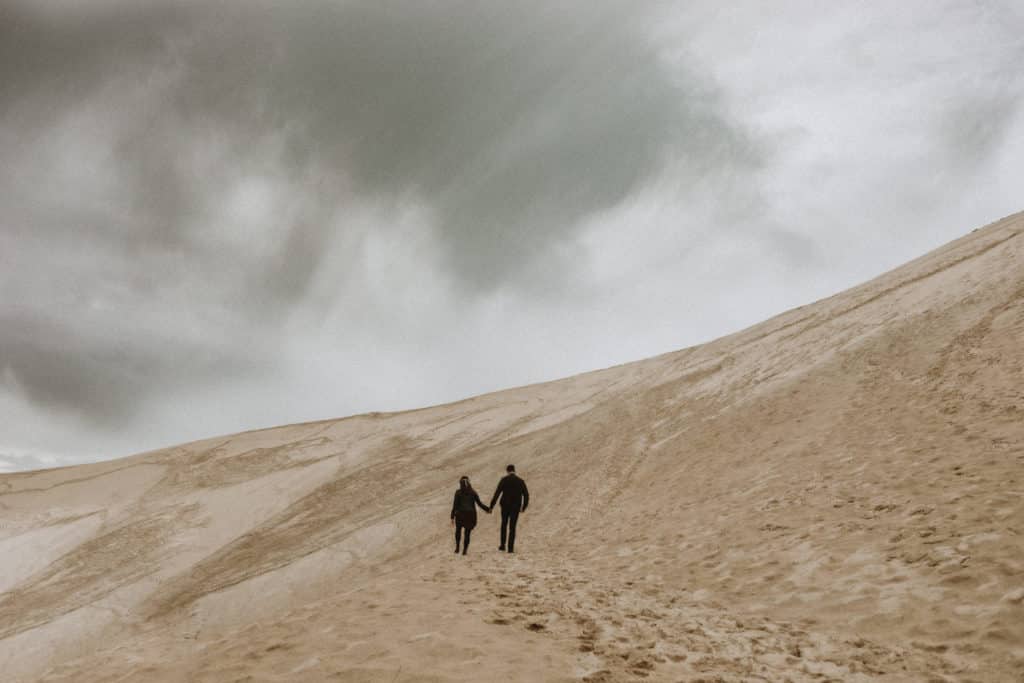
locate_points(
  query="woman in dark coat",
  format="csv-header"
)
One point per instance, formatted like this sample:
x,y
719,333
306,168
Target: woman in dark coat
x,y
464,512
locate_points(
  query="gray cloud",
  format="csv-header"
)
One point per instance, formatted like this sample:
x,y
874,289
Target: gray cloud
x,y
54,55
217,215
103,373
511,123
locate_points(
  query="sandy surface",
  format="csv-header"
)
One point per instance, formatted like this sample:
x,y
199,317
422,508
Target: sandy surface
x,y
834,494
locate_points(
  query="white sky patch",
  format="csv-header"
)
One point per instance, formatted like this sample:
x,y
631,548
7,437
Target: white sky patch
x,y
20,460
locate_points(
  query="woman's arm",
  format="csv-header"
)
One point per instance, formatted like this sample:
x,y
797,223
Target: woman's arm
x,y
480,503
455,503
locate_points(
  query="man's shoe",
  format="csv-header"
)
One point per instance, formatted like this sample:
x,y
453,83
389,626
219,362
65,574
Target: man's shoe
x,y
501,547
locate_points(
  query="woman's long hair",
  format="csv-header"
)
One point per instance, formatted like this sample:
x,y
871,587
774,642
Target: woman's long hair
x,y
465,486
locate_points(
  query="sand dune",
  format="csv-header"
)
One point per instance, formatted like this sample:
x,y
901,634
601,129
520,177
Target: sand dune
x,y
834,494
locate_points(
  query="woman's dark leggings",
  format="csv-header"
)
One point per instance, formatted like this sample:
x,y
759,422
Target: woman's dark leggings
x,y
465,543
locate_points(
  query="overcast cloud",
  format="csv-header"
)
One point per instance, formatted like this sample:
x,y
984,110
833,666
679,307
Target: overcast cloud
x,y
217,216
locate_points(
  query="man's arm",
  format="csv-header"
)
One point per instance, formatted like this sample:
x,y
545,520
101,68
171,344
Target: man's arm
x,y
526,496
497,492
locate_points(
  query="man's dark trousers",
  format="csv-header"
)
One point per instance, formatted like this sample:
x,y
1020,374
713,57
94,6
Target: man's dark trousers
x,y
509,517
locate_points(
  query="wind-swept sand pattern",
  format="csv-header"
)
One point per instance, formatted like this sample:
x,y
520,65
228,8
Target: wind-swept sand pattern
x,y
834,494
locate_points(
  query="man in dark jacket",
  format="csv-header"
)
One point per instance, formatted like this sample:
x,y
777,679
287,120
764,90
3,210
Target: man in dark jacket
x,y
514,499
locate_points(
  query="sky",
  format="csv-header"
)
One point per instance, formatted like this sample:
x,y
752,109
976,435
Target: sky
x,y
218,216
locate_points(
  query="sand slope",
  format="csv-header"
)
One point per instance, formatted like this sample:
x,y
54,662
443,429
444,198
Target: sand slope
x,y
834,494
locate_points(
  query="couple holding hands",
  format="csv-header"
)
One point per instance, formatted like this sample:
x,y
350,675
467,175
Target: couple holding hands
x,y
514,499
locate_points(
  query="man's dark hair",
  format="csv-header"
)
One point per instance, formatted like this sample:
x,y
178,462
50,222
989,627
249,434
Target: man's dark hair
x,y
510,468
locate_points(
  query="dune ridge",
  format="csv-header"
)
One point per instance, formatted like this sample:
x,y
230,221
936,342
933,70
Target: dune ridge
x,y
833,494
